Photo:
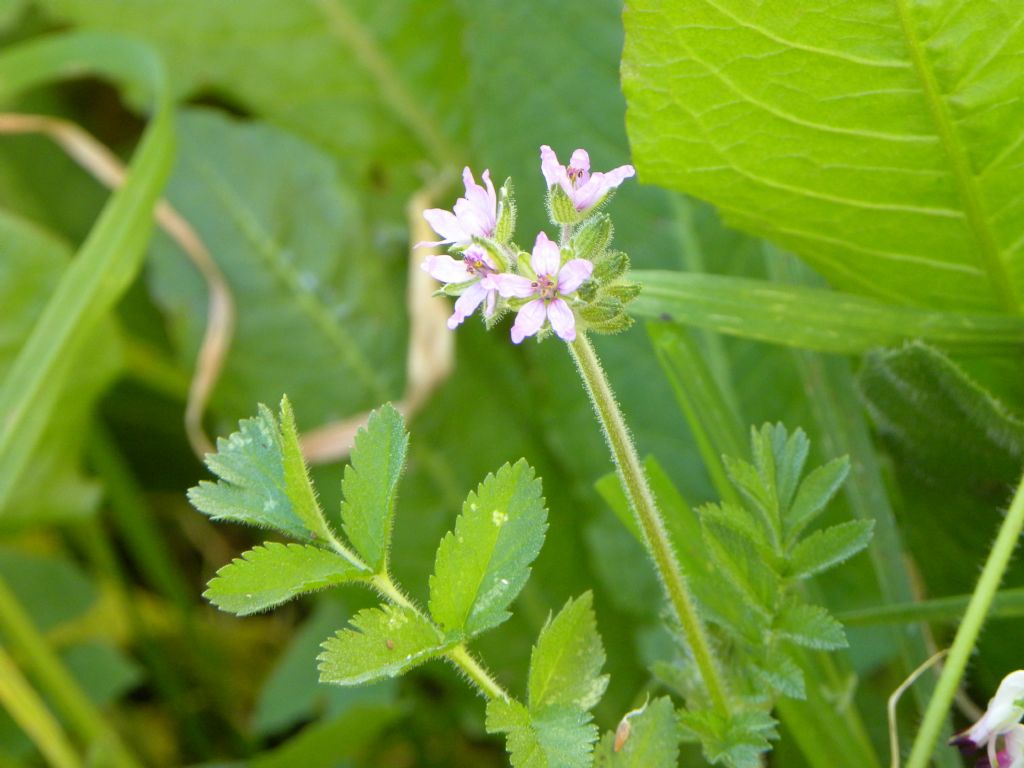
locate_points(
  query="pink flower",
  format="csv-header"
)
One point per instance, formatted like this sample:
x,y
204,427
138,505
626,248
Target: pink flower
x,y
550,282
584,188
1001,719
473,268
475,215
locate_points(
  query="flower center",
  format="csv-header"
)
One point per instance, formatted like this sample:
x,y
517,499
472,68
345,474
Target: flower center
x,y
476,265
575,175
545,287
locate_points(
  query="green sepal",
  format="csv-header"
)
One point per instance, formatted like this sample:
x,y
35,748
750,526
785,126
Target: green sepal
x,y
494,250
591,239
506,225
609,266
623,291
523,265
600,311
561,208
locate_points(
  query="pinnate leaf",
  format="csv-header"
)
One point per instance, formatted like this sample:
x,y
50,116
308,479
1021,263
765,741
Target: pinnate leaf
x,y
781,673
559,736
370,485
274,573
649,739
381,642
823,549
483,564
251,487
810,626
737,742
816,490
565,667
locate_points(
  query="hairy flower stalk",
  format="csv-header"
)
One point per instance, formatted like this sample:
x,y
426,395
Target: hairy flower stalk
x,y
967,635
641,499
566,289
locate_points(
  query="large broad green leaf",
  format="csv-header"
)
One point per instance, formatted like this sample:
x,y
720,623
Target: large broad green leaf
x,y
812,318
382,642
371,485
940,421
484,563
333,71
312,305
51,484
878,140
275,573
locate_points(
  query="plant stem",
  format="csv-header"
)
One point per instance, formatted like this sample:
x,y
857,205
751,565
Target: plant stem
x,y
30,713
967,635
641,499
39,659
459,655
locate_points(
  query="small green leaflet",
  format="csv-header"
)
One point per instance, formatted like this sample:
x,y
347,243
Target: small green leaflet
x,y
553,737
296,477
382,642
251,487
274,573
565,666
483,564
370,485
737,742
565,683
645,738
823,549
810,626
816,490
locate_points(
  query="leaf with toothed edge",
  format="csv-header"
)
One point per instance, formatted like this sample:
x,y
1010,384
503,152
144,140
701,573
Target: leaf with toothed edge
x,y
251,486
274,573
647,738
380,643
370,484
484,563
565,666
559,736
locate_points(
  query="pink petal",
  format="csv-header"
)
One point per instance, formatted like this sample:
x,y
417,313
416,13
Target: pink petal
x,y
580,160
562,320
550,167
616,176
492,197
510,285
446,224
492,300
473,219
529,320
589,194
546,257
574,274
466,304
446,269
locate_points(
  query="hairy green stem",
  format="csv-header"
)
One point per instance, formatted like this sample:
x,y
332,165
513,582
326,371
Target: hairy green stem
x,y
641,499
459,655
967,635
30,713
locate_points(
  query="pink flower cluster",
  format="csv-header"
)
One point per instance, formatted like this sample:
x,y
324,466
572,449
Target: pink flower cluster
x,y
548,283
